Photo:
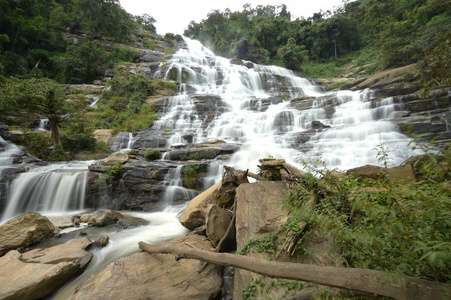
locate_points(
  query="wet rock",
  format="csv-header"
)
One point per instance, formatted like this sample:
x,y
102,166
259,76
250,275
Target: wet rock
x,y
23,231
85,218
103,218
62,222
102,241
128,221
39,272
198,152
155,276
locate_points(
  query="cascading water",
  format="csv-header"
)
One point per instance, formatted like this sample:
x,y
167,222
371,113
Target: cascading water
x,y
7,156
174,188
123,142
55,188
348,137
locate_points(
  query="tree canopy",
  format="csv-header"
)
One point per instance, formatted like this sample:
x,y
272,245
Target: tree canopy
x,y
400,31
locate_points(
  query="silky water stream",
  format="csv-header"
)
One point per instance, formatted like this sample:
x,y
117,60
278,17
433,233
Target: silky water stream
x,y
255,109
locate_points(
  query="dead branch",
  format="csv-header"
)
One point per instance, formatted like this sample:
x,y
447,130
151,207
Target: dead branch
x,y
364,280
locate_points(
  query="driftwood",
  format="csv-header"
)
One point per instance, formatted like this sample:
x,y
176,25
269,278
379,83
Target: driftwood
x,y
370,281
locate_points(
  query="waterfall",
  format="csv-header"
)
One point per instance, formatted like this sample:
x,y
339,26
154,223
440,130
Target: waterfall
x,y
56,188
10,151
43,125
348,137
174,189
123,142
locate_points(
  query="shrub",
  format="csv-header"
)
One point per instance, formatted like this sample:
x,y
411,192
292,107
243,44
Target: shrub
x,y
152,154
190,175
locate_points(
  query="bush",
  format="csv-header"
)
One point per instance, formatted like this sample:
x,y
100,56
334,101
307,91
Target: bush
x,y
152,154
383,224
190,175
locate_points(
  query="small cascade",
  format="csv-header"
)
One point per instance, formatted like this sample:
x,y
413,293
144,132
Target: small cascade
x,y
51,189
174,188
44,125
123,142
130,142
9,153
94,102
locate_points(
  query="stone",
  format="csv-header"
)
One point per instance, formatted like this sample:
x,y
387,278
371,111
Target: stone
x,y
102,241
128,221
194,214
103,135
218,220
40,272
23,231
259,213
367,171
116,158
85,218
404,172
61,222
155,276
103,218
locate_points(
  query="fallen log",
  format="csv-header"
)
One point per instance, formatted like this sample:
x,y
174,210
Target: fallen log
x,y
365,280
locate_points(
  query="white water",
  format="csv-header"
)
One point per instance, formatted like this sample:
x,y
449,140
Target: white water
x,y
174,189
43,124
357,129
7,156
123,142
53,188
163,225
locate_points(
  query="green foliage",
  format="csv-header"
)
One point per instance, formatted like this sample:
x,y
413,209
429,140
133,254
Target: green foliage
x,y
32,35
383,224
152,154
58,154
36,96
112,173
190,175
146,22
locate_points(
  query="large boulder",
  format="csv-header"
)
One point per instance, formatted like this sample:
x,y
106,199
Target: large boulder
x,y
104,218
218,221
194,214
23,231
259,213
116,158
39,272
155,276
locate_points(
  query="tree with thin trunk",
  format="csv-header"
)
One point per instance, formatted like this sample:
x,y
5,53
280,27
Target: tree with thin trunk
x,y
39,96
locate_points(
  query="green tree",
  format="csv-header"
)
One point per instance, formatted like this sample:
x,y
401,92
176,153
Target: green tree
x,y
146,22
293,55
37,96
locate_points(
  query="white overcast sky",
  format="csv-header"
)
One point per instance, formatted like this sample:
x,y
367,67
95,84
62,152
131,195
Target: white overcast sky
x,y
175,15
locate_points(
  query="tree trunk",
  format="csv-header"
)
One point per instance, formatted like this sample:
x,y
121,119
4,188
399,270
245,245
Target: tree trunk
x,y
55,132
364,280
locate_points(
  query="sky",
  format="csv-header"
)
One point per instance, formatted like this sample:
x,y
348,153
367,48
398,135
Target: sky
x,y
175,15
